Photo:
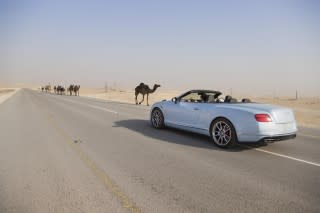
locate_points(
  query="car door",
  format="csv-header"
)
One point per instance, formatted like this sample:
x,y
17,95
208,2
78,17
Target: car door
x,y
183,113
189,114
171,113
206,111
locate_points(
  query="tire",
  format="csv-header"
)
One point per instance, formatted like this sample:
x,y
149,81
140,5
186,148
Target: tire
x,y
157,119
222,133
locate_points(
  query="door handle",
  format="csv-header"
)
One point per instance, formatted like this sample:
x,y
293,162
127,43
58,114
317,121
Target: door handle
x,y
196,108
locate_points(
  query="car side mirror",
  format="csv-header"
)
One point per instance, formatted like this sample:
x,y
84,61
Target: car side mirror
x,y
175,100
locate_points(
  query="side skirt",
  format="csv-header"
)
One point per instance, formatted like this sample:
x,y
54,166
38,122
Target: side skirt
x,y
188,128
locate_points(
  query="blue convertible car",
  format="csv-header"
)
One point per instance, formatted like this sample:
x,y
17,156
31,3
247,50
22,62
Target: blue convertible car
x,y
225,120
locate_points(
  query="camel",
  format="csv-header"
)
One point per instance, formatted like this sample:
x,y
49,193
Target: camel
x,y
61,90
144,90
70,89
48,88
76,89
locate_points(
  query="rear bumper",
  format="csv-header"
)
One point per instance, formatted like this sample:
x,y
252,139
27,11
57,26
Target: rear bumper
x,y
278,138
269,132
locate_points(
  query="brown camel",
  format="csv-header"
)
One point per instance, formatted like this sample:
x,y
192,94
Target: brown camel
x,y
70,89
76,89
61,90
144,90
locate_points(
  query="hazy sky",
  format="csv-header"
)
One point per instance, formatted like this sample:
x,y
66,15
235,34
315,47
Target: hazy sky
x,y
253,46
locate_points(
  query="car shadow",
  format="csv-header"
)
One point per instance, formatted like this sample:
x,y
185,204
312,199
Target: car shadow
x,y
171,135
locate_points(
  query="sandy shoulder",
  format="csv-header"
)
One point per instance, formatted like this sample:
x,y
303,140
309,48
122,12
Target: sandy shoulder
x,y
6,93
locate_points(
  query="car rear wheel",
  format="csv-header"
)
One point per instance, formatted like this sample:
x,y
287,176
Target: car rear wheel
x,y
223,133
157,119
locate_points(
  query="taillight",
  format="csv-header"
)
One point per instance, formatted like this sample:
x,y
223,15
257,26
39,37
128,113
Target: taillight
x,y
263,117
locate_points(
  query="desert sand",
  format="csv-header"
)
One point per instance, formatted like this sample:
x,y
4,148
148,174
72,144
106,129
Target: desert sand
x,y
307,110
5,90
6,93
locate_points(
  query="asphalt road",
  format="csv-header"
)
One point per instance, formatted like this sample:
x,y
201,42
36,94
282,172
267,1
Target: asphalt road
x,y
75,154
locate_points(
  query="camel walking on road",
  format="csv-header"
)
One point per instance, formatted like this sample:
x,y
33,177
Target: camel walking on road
x,y
70,89
61,90
76,89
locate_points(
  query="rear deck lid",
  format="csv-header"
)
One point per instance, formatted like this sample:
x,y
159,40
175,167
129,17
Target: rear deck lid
x,y
279,114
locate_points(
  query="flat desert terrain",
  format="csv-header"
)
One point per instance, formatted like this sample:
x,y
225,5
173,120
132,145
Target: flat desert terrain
x,y
307,110
5,90
5,93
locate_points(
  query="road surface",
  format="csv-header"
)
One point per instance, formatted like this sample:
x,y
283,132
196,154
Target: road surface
x,y
75,154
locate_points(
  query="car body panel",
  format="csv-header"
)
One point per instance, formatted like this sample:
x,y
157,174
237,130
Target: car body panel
x,y
197,117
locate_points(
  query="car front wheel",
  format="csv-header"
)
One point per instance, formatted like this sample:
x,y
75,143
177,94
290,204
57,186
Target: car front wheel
x,y
223,133
157,119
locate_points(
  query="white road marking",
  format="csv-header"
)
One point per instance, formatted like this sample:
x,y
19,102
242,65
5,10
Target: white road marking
x,y
101,108
285,156
89,105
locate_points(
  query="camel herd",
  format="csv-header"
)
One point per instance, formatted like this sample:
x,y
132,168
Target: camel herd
x,y
60,90
142,89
